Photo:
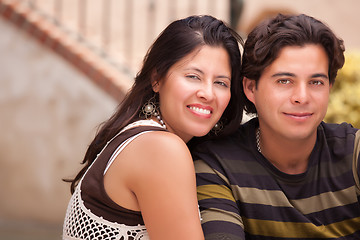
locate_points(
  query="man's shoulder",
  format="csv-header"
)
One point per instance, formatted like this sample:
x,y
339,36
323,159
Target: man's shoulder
x,y
239,139
338,137
341,130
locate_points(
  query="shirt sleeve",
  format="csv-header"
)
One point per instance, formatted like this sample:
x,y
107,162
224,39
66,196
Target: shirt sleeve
x,y
356,163
220,215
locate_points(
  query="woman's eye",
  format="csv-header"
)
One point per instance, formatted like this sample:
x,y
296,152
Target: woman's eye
x,y
222,83
192,76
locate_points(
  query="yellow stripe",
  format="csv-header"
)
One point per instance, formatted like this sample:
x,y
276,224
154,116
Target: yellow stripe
x,y
214,191
202,167
301,230
212,214
260,196
326,200
356,161
305,205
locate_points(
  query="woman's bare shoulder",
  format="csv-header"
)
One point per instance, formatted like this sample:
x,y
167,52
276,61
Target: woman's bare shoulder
x,y
158,146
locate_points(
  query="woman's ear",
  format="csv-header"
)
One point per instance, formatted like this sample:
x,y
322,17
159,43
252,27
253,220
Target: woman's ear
x,y
155,81
155,86
249,86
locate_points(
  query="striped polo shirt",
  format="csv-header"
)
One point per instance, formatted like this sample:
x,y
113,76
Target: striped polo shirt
x,y
243,196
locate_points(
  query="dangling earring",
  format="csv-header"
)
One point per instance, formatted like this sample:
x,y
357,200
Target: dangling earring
x,y
217,127
151,108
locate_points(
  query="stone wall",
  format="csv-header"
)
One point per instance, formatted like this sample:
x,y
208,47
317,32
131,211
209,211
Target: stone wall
x,y
48,114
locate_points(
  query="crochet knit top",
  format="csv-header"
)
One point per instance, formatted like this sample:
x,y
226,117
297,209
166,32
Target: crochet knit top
x,y
91,214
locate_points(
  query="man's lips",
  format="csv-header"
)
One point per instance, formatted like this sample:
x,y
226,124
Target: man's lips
x,y
299,115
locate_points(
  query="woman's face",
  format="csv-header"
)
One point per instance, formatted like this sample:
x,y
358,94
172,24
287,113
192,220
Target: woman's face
x,y
195,92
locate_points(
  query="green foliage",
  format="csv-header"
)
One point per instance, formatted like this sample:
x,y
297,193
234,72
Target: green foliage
x,y
344,104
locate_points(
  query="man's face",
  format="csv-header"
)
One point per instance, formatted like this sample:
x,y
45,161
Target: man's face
x,y
292,94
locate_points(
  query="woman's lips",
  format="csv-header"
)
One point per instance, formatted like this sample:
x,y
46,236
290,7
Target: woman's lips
x,y
201,110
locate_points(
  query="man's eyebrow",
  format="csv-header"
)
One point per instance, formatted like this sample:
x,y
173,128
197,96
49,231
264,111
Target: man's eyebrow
x,y
320,75
283,74
288,74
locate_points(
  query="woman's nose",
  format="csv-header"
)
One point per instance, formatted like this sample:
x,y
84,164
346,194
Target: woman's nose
x,y
206,92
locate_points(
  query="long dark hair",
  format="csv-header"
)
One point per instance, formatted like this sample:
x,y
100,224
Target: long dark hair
x,y
269,37
178,39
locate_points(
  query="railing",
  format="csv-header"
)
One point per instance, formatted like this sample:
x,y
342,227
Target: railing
x,y
122,30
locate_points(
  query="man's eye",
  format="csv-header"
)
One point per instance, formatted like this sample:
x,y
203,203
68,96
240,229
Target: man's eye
x,y
317,82
284,81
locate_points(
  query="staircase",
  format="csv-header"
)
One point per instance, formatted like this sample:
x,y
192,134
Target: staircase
x,y
104,39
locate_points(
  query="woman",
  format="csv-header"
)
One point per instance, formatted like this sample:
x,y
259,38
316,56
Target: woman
x,y
138,181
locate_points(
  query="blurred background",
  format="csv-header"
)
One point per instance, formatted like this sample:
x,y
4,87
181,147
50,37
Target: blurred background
x,y
66,64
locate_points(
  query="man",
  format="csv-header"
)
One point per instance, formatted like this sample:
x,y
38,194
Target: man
x,y
285,174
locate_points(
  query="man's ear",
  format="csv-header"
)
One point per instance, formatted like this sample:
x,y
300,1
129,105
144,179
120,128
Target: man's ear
x,y
155,82
249,86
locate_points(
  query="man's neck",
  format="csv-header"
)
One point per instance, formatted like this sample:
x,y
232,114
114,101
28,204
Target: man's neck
x,y
289,156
